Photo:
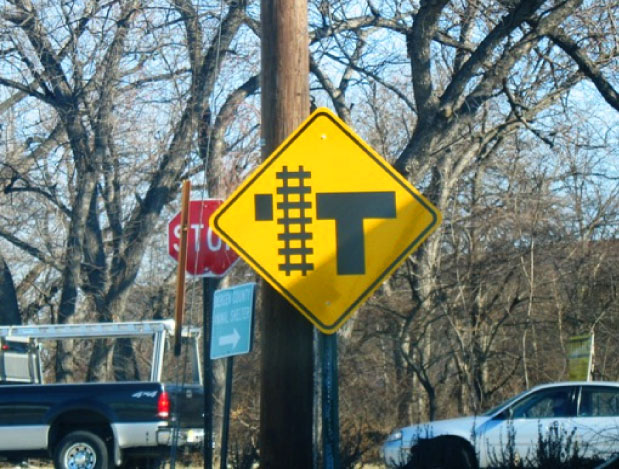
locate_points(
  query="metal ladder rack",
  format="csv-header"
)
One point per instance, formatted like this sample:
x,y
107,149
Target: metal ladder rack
x,y
158,329
95,330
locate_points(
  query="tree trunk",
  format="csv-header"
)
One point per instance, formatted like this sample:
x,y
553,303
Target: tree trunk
x,y
9,312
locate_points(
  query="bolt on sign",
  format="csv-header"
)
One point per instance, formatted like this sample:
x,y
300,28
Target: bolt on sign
x,y
325,219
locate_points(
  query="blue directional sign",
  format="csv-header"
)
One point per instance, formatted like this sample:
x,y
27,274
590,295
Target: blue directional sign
x,y
232,323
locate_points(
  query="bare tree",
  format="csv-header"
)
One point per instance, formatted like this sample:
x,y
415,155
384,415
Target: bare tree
x,y
108,106
92,71
481,75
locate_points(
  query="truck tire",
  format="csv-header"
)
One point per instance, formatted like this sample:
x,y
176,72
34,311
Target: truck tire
x,y
144,463
81,450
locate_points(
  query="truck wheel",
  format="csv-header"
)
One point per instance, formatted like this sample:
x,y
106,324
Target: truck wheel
x,y
144,463
81,450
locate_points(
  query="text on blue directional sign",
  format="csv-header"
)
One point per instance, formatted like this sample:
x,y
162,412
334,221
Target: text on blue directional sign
x,y
232,323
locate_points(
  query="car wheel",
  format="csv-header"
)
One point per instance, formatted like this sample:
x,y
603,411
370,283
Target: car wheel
x,y
463,456
425,455
81,450
442,453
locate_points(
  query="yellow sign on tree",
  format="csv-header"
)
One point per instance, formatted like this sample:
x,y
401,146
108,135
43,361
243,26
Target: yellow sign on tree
x,y
324,219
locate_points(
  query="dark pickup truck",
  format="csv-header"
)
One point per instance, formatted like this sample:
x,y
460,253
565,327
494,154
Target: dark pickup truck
x,y
94,425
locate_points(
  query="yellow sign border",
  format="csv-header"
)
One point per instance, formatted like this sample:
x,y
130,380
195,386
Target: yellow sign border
x,y
367,150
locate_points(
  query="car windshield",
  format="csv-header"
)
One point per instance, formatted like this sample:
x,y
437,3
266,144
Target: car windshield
x,y
495,409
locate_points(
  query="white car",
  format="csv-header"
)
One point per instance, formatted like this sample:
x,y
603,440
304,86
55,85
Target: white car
x,y
583,414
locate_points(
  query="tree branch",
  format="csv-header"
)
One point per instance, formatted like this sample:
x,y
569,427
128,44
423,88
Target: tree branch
x,y
418,45
29,249
590,69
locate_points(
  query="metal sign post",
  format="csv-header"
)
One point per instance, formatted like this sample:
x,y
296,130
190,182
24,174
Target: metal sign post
x,y
330,402
226,420
209,285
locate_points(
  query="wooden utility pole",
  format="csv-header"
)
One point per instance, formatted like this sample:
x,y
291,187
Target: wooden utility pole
x,y
287,363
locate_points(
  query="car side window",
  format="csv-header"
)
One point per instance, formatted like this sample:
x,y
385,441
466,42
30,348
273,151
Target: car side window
x,y
545,404
599,403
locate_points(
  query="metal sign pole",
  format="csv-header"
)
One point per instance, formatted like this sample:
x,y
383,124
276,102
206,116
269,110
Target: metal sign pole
x,y
330,402
226,421
209,285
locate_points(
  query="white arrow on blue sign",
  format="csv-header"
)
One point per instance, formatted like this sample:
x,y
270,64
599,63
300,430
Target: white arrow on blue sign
x,y
232,322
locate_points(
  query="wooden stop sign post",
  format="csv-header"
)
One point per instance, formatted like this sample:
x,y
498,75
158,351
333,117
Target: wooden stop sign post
x,y
200,253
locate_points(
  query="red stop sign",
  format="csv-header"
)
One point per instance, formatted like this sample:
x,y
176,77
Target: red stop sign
x,y
207,255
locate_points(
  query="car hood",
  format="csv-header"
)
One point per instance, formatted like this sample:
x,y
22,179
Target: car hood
x,y
464,427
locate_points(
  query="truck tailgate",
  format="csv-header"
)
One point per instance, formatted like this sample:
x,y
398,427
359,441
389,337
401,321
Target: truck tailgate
x,y
187,404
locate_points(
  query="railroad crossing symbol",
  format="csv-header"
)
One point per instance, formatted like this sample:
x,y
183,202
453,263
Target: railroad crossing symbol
x,y
324,219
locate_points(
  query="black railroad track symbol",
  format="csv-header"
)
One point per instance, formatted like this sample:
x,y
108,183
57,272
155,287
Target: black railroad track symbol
x,y
347,210
294,205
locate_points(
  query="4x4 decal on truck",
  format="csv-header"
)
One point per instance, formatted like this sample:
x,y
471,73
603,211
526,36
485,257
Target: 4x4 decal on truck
x,y
140,394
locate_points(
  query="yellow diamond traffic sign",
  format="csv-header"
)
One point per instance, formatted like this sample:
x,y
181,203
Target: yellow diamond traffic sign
x,y
324,219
